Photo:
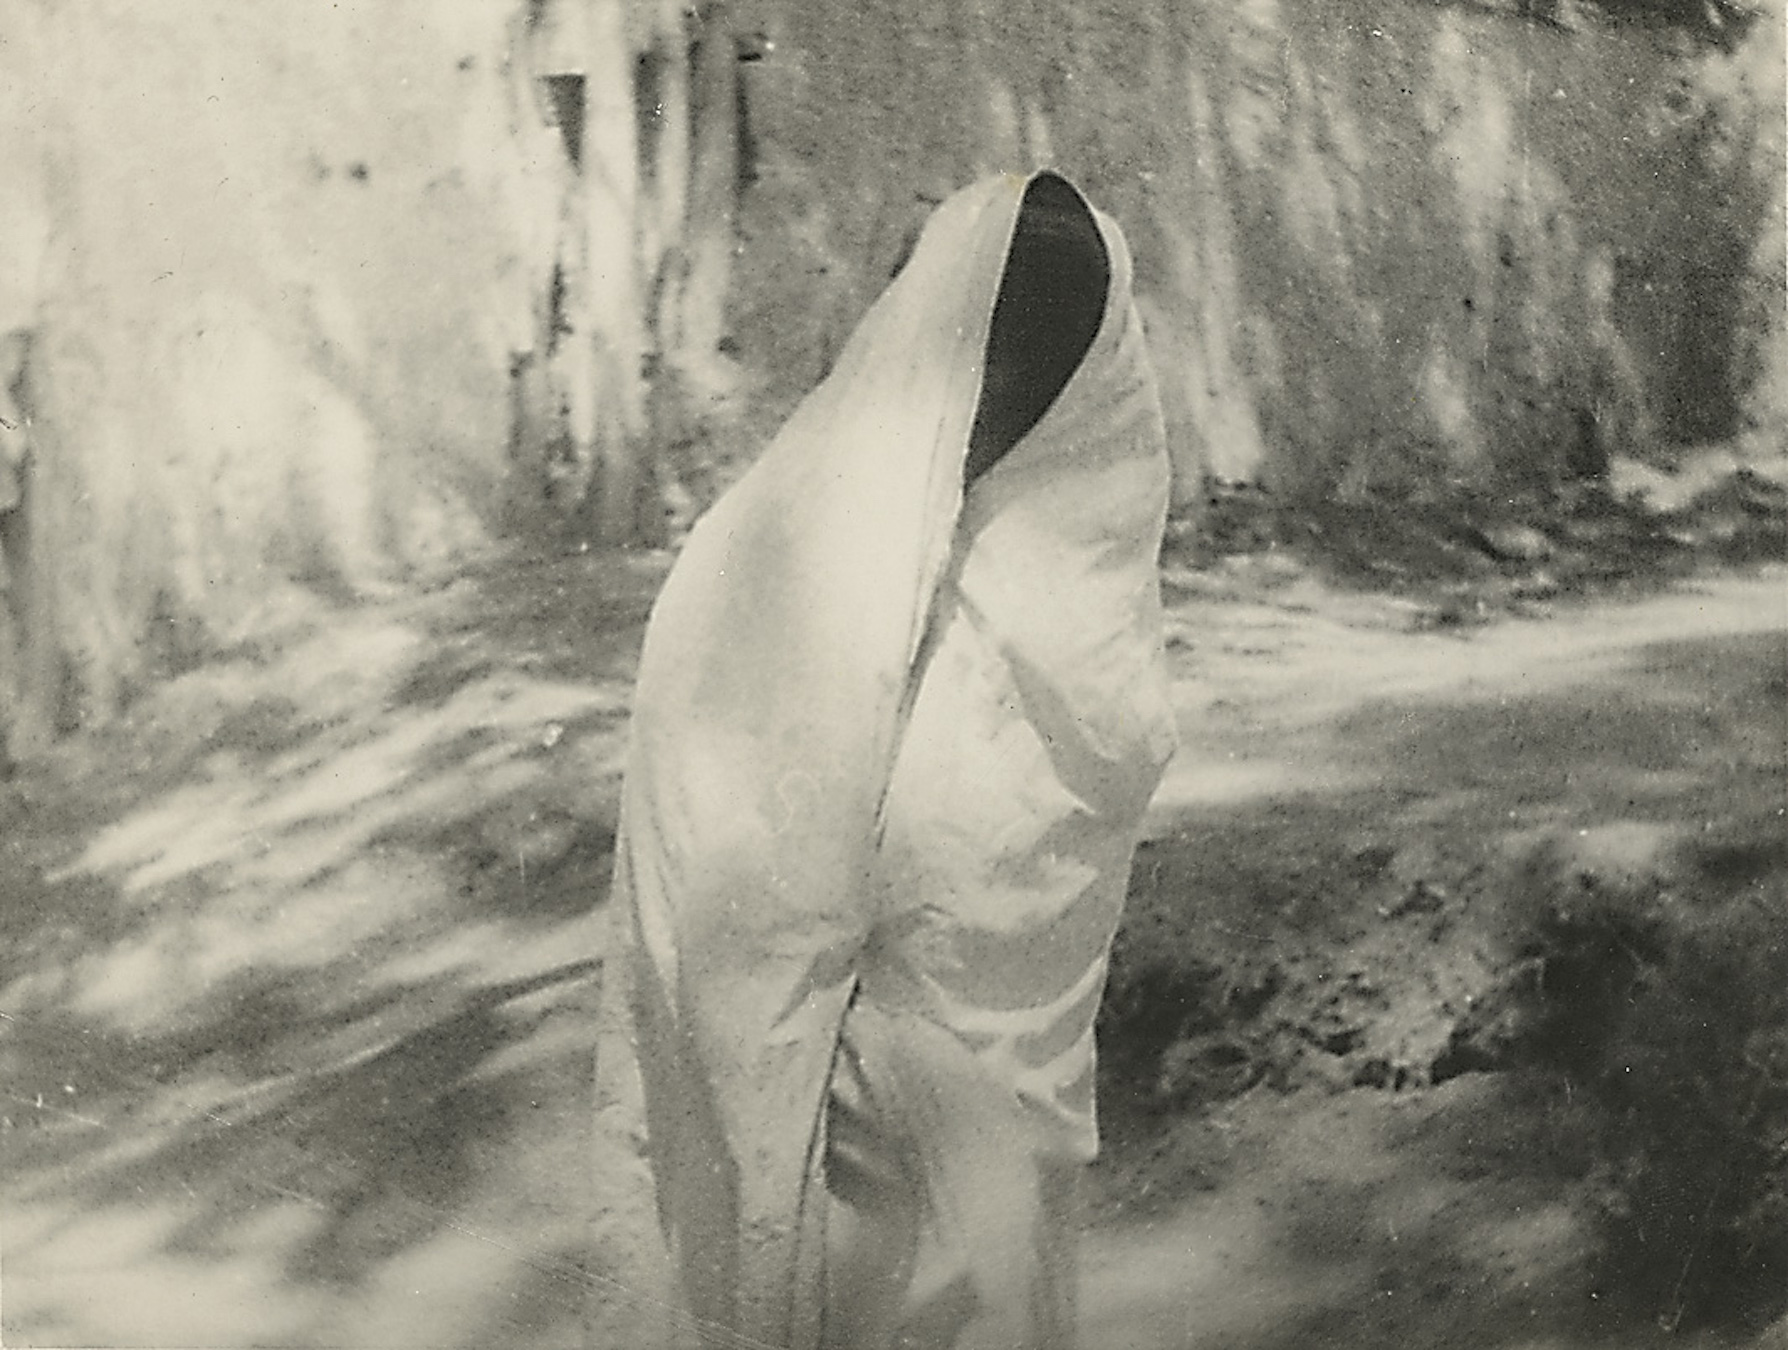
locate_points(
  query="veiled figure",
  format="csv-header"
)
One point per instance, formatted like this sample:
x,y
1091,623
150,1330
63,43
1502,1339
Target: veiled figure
x,y
900,709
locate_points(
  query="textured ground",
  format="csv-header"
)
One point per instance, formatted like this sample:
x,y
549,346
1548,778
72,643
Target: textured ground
x,y
296,970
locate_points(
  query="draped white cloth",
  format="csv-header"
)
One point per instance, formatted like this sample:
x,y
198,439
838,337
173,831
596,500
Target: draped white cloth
x,y
891,746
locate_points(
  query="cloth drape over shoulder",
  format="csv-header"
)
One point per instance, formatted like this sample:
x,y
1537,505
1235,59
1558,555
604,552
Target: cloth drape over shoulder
x,y
891,741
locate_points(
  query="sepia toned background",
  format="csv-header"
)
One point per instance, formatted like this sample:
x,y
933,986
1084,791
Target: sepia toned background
x,y
334,295
361,365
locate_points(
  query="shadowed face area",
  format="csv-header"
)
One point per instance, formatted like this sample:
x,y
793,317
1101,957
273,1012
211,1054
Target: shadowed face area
x,y
1050,302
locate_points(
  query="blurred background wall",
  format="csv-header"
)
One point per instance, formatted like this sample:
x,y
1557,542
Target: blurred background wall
x,y
302,303
1380,243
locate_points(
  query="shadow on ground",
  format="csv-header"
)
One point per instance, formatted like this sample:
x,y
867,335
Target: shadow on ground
x,y
1370,1038
297,971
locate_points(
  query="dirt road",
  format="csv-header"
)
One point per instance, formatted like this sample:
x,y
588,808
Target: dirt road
x,y
296,968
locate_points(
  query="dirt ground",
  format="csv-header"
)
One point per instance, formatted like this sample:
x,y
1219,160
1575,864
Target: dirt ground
x,y
297,968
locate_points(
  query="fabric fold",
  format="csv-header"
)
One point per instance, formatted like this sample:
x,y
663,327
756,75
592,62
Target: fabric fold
x,y
888,737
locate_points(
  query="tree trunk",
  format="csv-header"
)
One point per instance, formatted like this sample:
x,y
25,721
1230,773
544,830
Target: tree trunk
x,y
610,183
29,645
713,185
